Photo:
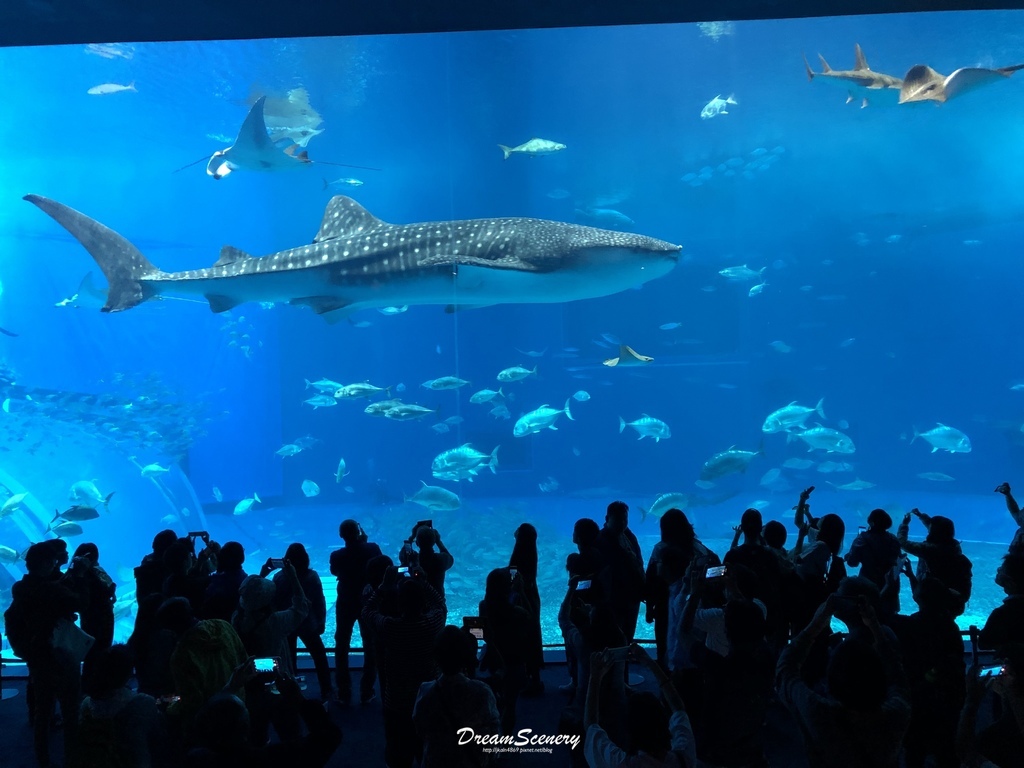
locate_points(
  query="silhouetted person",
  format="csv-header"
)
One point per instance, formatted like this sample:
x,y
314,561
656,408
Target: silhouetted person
x,y
508,629
150,573
820,567
96,595
730,724
1017,543
1005,625
625,567
152,646
939,555
861,718
314,625
204,659
656,739
38,603
585,535
452,702
933,657
119,727
876,551
435,564
753,553
223,731
186,573
221,600
407,641
524,561
348,564
676,532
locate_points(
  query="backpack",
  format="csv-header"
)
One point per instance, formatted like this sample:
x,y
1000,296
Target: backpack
x,y
17,629
960,575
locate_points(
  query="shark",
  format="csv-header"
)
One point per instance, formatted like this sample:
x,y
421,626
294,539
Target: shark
x,y
859,82
922,83
254,150
357,261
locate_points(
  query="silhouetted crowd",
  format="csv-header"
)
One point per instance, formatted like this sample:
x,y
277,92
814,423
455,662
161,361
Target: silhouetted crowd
x,y
208,676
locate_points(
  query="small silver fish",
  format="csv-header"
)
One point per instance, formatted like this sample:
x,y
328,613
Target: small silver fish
x,y
107,88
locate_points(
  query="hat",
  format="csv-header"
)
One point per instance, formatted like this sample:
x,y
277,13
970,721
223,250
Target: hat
x,y
256,593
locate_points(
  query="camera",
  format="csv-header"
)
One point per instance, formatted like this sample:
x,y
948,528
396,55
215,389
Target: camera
x,y
276,562
716,572
404,571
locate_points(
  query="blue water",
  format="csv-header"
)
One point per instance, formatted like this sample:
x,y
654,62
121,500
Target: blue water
x,y
889,237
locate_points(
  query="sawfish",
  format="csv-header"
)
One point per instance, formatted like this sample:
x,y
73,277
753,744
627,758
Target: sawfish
x,y
922,83
356,261
860,82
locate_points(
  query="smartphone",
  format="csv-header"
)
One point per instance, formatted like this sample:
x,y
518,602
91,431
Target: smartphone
x,y
277,562
266,666
197,534
862,528
474,625
513,572
716,572
993,671
404,570
618,654
582,585
428,523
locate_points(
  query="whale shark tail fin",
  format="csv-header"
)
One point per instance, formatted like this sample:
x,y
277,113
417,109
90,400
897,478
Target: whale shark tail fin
x,y
122,263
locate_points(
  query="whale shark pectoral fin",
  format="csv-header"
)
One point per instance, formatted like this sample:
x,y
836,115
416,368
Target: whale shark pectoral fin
x,y
220,304
323,305
229,255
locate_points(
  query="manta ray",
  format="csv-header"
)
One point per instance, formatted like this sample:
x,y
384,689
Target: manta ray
x,y
254,150
628,357
88,295
859,82
356,261
922,83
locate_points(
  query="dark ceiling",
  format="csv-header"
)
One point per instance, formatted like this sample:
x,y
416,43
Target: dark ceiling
x,y
41,22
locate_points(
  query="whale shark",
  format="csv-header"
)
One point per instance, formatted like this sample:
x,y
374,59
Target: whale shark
x,y
254,150
922,83
859,82
356,261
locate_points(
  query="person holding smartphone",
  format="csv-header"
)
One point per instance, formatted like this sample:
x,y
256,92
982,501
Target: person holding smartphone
x,y
658,739
435,564
877,552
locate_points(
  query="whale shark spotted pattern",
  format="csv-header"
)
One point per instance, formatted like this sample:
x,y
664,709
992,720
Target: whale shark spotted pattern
x,y
357,262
